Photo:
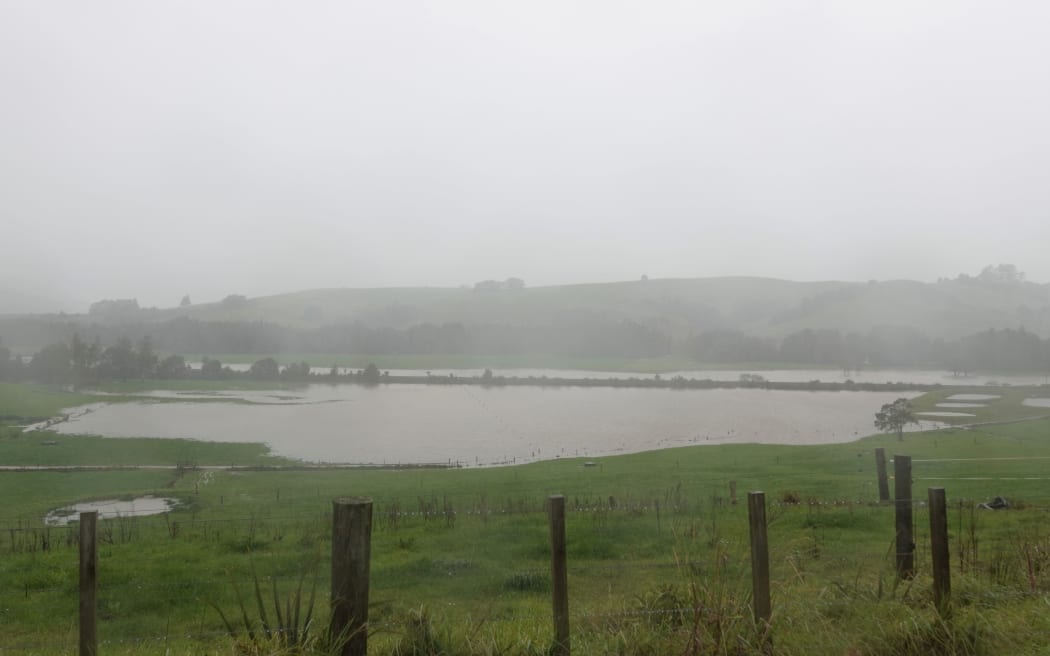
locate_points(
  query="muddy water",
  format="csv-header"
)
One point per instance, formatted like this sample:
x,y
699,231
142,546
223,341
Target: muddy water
x,y
484,426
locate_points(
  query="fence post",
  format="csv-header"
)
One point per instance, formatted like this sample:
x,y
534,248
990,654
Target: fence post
x,y
903,516
559,576
732,493
880,469
756,512
351,552
88,584
942,580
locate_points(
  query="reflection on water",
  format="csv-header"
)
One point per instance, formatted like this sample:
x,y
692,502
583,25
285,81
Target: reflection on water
x,y
482,426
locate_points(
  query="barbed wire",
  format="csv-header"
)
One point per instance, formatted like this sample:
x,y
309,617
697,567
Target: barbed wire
x,y
168,521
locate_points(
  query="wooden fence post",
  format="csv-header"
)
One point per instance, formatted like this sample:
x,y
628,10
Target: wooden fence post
x,y
351,553
732,493
88,584
903,517
942,580
756,512
880,470
559,576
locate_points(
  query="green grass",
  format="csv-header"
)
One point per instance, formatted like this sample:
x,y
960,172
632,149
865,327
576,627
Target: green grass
x,y
475,581
40,448
37,401
1007,407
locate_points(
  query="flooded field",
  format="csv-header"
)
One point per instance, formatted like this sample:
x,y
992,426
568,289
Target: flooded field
x,y
918,376
484,426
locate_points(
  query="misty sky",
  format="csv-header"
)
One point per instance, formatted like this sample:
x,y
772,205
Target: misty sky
x,y
154,149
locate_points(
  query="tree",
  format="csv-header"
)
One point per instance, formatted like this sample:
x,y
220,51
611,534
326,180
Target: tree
x,y
370,374
119,361
173,366
52,364
84,359
145,358
265,368
6,368
894,417
185,301
212,368
297,371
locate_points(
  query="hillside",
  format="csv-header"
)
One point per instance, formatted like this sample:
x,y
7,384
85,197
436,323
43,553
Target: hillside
x,y
645,318
759,306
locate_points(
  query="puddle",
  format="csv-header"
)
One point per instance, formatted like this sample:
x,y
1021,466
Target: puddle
x,y
110,508
1037,403
944,414
962,405
974,397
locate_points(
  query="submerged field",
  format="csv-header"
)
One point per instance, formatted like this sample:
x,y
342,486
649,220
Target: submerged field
x,y
658,553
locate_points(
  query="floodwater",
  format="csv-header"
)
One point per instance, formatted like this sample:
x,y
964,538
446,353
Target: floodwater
x,y
111,508
945,414
1037,403
474,425
918,376
974,397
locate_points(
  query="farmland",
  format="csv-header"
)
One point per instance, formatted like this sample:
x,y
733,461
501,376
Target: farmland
x,y
460,557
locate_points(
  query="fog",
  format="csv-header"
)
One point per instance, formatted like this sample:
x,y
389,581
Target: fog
x,y
152,150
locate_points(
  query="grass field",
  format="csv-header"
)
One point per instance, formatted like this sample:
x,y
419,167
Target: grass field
x,y
460,557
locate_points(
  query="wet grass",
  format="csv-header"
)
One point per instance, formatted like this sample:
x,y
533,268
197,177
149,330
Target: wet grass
x,y
44,448
1007,407
24,402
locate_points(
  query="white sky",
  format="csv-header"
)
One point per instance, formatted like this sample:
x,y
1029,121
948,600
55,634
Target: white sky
x,y
153,149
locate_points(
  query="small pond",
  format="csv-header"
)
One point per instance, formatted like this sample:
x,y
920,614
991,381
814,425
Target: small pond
x,y
1037,403
111,508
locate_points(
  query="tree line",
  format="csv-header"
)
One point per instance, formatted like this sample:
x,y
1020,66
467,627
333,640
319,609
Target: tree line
x,y
132,349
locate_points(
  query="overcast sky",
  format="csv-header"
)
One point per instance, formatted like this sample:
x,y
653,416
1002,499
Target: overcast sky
x,y
154,149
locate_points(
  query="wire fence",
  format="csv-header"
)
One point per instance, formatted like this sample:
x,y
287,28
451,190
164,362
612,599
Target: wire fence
x,y
704,538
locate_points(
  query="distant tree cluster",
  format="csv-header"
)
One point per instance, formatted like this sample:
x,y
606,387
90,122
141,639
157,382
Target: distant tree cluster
x,y
132,346
234,301
1000,274
991,350
81,362
510,284
114,311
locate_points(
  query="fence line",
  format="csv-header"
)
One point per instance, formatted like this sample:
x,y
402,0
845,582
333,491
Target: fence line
x,y
758,525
